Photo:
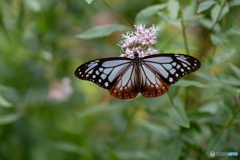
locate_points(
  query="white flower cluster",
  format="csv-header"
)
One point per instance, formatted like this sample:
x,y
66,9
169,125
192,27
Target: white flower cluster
x,y
139,41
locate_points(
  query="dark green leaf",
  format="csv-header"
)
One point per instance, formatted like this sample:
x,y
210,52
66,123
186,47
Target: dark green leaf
x,y
173,149
236,70
179,116
101,31
205,5
149,11
152,126
197,115
217,143
10,118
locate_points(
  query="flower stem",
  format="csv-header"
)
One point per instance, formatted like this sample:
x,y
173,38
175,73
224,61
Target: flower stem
x,y
121,16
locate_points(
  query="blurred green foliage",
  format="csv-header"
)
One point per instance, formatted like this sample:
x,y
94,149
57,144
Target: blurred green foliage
x,y
47,113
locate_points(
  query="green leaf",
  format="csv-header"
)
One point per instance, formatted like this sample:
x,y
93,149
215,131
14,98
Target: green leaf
x,y
33,5
99,109
101,31
186,83
173,149
230,81
133,154
207,76
216,11
112,155
10,118
189,11
217,143
152,126
234,3
205,5
149,11
208,24
89,1
197,115
219,41
234,30
179,116
236,70
4,102
173,9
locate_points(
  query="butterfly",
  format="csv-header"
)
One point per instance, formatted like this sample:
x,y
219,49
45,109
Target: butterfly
x,y
151,75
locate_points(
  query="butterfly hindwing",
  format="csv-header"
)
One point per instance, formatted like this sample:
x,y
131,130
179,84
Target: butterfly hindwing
x,y
171,67
103,72
151,83
126,86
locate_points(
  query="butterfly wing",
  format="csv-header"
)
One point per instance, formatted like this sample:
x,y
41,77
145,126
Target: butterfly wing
x,y
171,67
151,83
103,72
126,86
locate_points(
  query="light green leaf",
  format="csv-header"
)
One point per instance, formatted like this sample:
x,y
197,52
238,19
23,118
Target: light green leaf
x,y
68,147
101,31
186,83
10,118
179,116
230,81
89,1
236,70
207,76
208,24
205,5
189,11
4,102
33,5
234,30
152,126
234,3
149,11
173,8
217,143
216,11
219,42
173,149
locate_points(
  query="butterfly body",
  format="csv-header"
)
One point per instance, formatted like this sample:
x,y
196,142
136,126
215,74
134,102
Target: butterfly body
x,y
151,75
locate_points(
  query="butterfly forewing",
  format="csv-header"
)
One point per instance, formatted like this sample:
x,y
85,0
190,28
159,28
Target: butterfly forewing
x,y
171,67
103,72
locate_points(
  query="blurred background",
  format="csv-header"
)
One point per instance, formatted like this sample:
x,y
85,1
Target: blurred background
x,y
47,113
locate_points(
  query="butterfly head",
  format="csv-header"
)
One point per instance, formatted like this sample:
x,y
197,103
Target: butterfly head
x,y
136,54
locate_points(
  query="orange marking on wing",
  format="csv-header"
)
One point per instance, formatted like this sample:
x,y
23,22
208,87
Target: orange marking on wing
x,y
122,92
155,90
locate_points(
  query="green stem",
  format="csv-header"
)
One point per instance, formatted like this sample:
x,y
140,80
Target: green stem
x,y
212,27
184,31
232,118
121,16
